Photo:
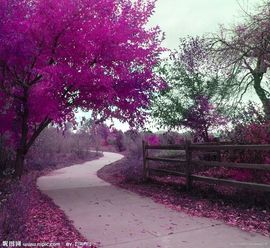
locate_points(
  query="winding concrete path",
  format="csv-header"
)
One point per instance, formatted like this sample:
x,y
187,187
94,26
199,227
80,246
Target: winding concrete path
x,y
122,219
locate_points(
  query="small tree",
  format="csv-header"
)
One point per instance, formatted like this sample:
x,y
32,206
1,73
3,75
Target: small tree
x,y
191,73
202,117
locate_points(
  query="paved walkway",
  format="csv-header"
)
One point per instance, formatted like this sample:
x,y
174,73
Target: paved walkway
x,y
122,219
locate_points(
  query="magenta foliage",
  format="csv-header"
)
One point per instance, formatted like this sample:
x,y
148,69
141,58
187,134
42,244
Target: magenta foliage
x,y
153,139
241,175
59,55
203,116
251,133
254,133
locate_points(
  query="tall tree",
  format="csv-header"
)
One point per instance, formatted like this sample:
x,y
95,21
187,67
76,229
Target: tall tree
x,y
191,73
245,49
60,55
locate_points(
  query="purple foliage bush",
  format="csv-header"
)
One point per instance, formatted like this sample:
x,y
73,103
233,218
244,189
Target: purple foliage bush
x,y
153,139
251,133
17,208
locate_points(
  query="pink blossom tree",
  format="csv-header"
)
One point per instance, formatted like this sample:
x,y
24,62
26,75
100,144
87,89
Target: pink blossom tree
x,y
60,55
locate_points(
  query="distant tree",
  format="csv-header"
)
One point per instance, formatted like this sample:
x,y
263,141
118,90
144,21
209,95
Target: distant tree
x,y
60,55
245,50
118,139
95,131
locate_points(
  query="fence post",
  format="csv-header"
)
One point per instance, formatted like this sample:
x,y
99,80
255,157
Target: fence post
x,y
145,162
219,156
218,152
188,165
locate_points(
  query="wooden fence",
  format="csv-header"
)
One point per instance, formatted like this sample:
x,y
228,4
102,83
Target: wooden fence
x,y
189,164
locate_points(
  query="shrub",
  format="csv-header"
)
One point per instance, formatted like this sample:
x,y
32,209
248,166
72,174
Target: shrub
x,y
17,208
117,139
53,145
30,216
153,139
133,143
251,133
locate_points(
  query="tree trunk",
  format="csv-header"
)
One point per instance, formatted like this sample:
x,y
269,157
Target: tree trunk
x,y
19,163
266,107
262,94
26,144
205,135
22,147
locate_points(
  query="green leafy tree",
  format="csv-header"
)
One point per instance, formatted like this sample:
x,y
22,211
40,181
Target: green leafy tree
x,y
191,72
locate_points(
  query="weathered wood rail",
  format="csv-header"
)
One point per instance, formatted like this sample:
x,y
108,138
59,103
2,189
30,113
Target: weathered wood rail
x,y
189,164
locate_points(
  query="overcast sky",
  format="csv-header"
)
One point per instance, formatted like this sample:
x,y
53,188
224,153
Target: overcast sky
x,y
180,18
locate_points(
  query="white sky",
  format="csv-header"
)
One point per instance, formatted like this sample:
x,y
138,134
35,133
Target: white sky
x,y
180,18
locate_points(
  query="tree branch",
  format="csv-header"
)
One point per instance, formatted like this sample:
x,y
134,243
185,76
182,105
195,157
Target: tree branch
x,y
37,132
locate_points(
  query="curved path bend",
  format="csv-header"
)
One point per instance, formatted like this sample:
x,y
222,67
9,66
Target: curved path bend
x,y
122,219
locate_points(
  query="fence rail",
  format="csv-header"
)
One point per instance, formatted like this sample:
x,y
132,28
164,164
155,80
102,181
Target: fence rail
x,y
189,164
165,147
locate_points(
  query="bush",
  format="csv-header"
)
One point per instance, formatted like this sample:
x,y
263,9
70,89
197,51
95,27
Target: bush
x,y
252,133
17,208
133,143
171,138
117,139
54,146
30,216
133,170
